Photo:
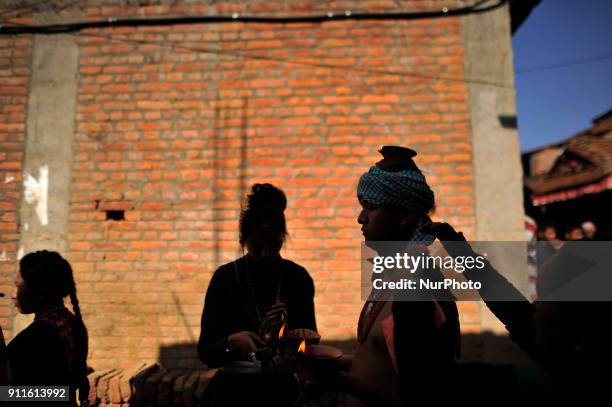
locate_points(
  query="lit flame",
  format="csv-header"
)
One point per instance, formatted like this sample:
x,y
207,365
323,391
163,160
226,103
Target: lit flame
x,y
302,347
281,332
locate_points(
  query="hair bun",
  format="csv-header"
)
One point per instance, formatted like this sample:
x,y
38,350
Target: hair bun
x,y
266,196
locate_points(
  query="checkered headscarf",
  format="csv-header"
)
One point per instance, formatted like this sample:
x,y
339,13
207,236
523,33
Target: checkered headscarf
x,y
405,189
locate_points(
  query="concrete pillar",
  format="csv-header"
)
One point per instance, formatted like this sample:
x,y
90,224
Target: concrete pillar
x,y
496,150
47,165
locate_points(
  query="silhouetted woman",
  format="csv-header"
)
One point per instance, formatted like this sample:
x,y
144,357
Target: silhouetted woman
x,y
52,350
257,290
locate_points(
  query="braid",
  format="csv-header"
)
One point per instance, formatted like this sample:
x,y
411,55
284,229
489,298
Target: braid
x,y
76,309
82,381
70,287
75,304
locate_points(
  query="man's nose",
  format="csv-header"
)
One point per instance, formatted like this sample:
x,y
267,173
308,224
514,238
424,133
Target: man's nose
x,y
362,218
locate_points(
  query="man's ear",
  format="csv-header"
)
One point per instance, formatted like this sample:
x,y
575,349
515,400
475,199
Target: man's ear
x,y
407,220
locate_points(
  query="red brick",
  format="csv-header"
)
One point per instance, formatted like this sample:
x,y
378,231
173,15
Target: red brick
x,y
154,104
118,88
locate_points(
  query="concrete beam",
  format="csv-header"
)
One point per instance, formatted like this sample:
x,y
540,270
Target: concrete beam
x,y
44,209
496,150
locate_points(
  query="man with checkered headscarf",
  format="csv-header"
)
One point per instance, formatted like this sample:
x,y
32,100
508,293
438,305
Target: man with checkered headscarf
x,y
396,182
403,345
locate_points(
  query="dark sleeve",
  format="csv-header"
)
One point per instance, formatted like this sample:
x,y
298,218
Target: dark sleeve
x,y
300,304
517,315
519,320
37,357
214,329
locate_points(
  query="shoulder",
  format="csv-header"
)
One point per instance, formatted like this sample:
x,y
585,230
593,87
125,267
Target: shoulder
x,y
294,267
36,329
295,271
226,268
38,335
226,272
222,283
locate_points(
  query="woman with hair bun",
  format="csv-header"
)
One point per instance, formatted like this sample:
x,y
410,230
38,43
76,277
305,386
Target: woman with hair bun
x,y
52,350
248,300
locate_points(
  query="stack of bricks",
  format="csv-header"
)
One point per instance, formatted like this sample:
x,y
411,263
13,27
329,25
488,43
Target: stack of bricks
x,y
147,385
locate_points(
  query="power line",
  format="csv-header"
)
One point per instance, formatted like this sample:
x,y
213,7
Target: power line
x,y
202,50
564,64
184,48
237,18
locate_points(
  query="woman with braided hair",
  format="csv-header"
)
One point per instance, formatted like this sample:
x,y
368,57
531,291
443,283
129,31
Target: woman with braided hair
x,y
52,350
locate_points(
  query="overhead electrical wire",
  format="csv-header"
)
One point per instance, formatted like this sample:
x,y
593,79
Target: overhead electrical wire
x,y
242,55
564,64
16,29
13,29
475,8
185,48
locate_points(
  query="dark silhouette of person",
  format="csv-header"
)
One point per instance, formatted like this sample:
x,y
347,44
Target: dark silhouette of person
x,y
249,299
406,345
52,350
5,372
568,338
573,231
590,230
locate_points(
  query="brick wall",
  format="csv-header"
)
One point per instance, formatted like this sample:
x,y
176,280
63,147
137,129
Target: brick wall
x,y
14,79
175,123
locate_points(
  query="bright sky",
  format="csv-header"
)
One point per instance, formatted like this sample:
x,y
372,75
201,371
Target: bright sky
x,y
554,104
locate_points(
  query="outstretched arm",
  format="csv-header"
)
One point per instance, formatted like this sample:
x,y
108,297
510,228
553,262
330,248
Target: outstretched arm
x,y
516,313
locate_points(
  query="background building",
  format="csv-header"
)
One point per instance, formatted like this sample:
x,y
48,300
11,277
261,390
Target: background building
x,y
571,181
129,149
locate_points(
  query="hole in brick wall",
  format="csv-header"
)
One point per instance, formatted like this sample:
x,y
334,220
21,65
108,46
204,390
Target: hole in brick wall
x,y
115,215
114,210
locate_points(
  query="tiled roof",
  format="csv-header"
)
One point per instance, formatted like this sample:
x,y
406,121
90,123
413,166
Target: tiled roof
x,y
592,148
